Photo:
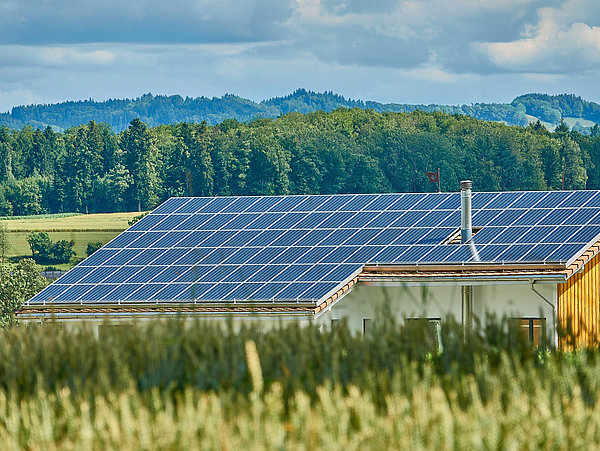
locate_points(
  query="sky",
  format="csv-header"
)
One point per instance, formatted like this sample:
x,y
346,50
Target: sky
x,y
403,51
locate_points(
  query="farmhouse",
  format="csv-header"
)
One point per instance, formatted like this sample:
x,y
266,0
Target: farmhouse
x,y
532,256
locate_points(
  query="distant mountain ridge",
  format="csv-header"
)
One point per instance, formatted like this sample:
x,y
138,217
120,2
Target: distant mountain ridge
x,y
579,114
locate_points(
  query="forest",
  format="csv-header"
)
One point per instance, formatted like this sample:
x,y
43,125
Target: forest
x,y
164,110
89,168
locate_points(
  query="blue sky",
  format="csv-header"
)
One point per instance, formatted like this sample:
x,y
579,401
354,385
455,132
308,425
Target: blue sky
x,y
428,51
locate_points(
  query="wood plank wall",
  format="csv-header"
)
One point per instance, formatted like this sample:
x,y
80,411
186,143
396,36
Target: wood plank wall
x,y
578,311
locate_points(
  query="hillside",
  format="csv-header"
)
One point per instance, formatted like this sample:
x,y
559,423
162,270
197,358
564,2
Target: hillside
x,y
160,110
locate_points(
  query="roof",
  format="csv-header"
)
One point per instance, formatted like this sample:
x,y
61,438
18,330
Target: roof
x,y
254,252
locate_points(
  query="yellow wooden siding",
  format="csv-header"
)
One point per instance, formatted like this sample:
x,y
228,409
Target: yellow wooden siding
x,y
578,307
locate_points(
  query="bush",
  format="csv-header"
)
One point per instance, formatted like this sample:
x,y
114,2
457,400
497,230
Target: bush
x,y
92,247
62,251
43,249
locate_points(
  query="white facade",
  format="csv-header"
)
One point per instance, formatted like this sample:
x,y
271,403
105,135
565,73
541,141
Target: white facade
x,y
441,301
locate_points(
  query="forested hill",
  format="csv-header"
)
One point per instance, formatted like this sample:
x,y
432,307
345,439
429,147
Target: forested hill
x,y
90,168
579,114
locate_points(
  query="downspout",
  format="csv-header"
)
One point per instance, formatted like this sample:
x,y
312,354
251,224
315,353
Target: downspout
x,y
547,301
466,233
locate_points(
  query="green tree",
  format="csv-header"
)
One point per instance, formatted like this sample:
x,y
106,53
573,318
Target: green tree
x,y
62,251
18,283
141,158
92,247
40,244
5,244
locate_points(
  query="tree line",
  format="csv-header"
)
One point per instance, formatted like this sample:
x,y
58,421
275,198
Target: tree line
x,y
163,110
89,168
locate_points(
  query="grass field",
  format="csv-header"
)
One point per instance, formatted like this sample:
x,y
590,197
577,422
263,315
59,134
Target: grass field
x,y
82,229
194,385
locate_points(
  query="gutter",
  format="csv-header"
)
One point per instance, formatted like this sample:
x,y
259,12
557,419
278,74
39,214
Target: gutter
x,y
547,301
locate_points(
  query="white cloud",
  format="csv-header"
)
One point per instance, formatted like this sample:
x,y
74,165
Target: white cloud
x,y
551,50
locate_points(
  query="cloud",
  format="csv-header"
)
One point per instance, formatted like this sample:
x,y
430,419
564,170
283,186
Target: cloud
x,y
551,50
388,50
41,22
565,39
20,55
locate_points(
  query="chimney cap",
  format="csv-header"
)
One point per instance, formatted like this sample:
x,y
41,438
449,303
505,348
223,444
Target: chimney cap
x,y
466,184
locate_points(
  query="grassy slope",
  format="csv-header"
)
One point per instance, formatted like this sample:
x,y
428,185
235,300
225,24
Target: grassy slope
x,y
82,229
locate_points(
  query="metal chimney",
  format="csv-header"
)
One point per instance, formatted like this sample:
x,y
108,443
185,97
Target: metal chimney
x,y
466,227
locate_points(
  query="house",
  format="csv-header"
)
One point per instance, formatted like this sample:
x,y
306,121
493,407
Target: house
x,y
532,256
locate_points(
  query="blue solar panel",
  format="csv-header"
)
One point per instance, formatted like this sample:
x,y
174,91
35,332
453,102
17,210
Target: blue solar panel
x,y
147,222
75,274
193,222
242,221
123,256
303,247
146,274
168,274
530,199
262,203
286,204
359,202
244,291
316,273
97,292
122,292
294,290
99,274
49,294
265,255
432,218
123,239
218,221
584,216
240,204
268,291
311,221
171,205
288,221
169,222
291,273
364,254
318,290
194,204
341,272
266,274
430,201
313,237
170,239
146,240
290,255
143,293
311,203
316,254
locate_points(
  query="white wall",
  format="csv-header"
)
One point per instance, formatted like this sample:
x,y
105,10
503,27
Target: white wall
x,y
439,301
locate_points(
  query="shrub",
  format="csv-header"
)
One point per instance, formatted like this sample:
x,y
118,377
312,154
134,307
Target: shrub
x,y
92,247
62,251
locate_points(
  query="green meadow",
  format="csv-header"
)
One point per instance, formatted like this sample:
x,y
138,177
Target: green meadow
x,y
79,228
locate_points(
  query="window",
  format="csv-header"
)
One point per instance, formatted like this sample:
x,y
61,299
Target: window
x,y
367,328
533,329
429,329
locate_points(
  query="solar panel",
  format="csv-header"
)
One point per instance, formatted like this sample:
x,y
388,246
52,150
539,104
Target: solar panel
x,y
300,248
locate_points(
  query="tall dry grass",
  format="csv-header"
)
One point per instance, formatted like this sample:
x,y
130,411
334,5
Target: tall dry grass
x,y
176,385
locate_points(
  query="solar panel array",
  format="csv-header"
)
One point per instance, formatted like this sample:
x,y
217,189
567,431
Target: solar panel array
x,y
303,248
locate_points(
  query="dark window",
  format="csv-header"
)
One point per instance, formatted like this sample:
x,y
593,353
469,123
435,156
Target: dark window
x,y
533,329
426,329
367,328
